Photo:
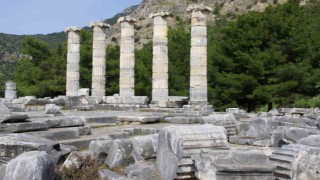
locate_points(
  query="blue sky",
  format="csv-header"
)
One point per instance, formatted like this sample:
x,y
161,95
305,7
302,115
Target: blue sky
x,y
47,16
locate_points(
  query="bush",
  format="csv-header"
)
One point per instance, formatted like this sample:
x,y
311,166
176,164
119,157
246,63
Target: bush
x,y
88,170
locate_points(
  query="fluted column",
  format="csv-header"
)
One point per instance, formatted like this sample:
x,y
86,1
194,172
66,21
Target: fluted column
x,y
99,58
127,58
160,62
73,61
198,55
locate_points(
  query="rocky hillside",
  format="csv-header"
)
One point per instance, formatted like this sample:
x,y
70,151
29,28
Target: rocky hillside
x,y
10,44
177,8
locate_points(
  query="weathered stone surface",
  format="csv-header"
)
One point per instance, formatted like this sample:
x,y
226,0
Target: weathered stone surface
x,y
228,121
234,164
143,100
2,171
120,153
52,109
83,130
12,145
183,120
177,144
312,140
142,119
293,135
296,161
31,165
4,108
142,171
24,127
11,90
73,160
13,118
65,121
99,149
140,131
145,147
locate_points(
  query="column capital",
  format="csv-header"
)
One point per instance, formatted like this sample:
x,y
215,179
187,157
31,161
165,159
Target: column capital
x,y
126,19
199,7
100,24
158,13
73,28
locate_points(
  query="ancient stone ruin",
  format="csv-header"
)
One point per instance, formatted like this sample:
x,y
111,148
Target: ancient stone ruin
x,y
167,137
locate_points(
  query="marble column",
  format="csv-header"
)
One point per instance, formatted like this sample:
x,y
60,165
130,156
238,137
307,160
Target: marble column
x,y
99,58
127,58
11,90
160,91
198,55
73,61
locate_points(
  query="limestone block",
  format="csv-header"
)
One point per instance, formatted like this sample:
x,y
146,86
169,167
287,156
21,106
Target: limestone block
x,y
198,70
234,164
120,153
127,40
199,41
198,60
52,109
159,21
126,72
198,51
160,83
84,92
177,144
160,30
160,59
198,81
159,68
73,57
160,75
11,86
99,70
126,48
127,32
160,40
13,145
73,47
198,31
160,50
98,53
31,165
10,94
198,95
73,75
73,66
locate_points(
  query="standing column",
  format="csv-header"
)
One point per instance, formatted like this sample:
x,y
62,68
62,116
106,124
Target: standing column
x,y
160,75
73,60
99,58
11,90
198,56
127,56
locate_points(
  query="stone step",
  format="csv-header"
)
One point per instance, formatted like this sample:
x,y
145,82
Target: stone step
x,y
23,127
185,169
286,152
202,143
282,158
201,136
101,119
281,164
284,174
197,151
57,135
